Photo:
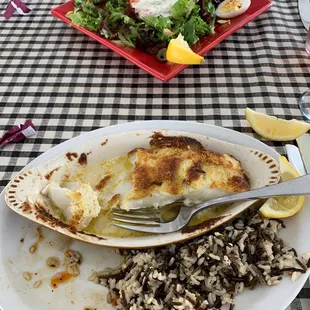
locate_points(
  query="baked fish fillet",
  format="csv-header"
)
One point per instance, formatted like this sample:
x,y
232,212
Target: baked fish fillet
x,y
174,168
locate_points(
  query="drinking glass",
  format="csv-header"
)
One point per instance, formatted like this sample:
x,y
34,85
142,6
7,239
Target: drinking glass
x,y
307,46
304,102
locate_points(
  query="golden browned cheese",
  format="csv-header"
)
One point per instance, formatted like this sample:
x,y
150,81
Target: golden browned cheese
x,y
103,182
176,163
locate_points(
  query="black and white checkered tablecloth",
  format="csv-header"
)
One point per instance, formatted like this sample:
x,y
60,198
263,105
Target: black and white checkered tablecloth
x,y
68,84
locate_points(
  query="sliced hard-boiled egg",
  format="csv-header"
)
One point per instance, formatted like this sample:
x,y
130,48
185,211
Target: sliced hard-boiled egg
x,y
78,202
232,8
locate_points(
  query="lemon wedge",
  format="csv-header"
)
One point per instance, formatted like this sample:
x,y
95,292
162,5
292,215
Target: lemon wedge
x,y
273,128
280,207
179,52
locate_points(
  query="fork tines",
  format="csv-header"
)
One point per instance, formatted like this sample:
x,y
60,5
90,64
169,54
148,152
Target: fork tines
x,y
146,216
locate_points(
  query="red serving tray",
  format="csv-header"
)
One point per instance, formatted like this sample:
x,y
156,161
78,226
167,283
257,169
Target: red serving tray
x,y
149,63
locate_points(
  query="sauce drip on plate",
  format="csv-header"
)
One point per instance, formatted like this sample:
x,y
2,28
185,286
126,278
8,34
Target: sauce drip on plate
x,y
60,278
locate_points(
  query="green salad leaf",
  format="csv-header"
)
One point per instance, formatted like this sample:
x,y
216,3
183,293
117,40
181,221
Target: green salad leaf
x,y
116,15
87,15
80,18
159,23
182,9
209,7
78,2
116,20
194,29
118,23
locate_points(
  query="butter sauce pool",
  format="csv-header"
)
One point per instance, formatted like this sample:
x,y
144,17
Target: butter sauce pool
x,y
103,224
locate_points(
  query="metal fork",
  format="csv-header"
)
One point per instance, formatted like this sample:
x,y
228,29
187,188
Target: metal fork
x,y
149,219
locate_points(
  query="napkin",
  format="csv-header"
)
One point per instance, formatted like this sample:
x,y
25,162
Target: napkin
x,y
16,6
18,133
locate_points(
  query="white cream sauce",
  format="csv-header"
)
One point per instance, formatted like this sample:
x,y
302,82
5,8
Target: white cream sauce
x,y
153,7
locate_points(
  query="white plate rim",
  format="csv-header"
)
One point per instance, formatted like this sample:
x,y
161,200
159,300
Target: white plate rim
x,y
25,184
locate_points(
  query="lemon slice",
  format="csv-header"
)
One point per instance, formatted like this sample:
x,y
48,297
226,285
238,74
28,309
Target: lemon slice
x,y
280,207
273,128
179,52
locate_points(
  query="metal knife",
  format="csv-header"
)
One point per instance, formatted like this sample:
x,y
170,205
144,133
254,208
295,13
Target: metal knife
x,y
304,148
294,158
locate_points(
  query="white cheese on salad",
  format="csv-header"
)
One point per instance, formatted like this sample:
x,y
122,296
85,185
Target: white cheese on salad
x,y
153,7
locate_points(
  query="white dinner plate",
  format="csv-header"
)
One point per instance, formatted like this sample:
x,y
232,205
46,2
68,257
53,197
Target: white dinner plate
x,y
15,258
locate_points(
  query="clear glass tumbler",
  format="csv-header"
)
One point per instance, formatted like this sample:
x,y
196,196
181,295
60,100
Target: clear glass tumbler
x,y
304,104
308,42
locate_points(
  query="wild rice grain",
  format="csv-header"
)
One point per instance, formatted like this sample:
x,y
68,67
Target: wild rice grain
x,y
37,284
205,273
295,275
214,256
200,261
27,276
171,261
109,298
301,264
72,262
93,277
32,249
53,262
294,251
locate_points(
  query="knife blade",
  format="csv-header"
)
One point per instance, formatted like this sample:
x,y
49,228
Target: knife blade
x,y
303,143
294,158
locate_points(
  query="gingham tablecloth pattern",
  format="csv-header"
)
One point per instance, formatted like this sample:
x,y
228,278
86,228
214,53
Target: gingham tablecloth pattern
x,y
68,84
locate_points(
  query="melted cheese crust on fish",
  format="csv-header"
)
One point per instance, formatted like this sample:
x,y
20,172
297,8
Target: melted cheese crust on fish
x,y
175,168
176,164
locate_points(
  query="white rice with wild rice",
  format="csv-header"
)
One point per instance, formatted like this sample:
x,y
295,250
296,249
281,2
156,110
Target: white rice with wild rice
x,y
205,273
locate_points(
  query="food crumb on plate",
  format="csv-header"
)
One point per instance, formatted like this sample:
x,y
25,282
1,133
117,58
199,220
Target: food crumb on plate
x,y
60,278
34,247
37,284
53,262
72,261
27,276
